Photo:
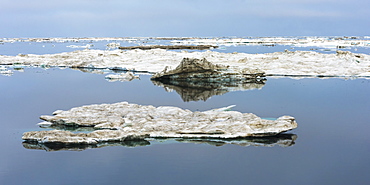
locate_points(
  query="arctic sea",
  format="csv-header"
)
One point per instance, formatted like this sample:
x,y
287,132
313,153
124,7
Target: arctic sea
x,y
332,145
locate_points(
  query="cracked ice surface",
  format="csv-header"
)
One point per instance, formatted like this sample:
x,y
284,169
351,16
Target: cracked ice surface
x,y
301,63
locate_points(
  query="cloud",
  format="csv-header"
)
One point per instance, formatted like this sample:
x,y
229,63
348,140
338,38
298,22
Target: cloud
x,y
202,17
192,8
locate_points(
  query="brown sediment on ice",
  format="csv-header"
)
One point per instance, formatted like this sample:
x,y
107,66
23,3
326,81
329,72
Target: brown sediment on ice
x,y
201,70
169,47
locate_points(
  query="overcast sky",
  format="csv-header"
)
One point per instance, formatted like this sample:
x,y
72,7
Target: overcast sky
x,y
121,18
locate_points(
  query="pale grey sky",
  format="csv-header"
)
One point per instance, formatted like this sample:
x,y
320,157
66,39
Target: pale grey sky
x,y
121,18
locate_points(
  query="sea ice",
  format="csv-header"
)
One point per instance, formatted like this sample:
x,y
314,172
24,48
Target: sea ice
x,y
129,76
79,46
297,63
321,42
197,79
124,121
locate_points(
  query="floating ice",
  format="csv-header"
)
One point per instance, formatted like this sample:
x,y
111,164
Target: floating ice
x,y
78,46
121,77
44,124
197,79
113,45
297,63
313,41
321,42
124,121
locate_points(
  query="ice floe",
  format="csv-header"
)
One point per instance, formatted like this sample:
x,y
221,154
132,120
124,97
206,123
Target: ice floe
x,y
201,70
288,63
197,79
131,122
113,45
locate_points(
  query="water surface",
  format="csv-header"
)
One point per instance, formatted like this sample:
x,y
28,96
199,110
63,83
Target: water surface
x,y
332,144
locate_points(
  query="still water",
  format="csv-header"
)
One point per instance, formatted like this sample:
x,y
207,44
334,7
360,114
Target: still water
x,y
332,145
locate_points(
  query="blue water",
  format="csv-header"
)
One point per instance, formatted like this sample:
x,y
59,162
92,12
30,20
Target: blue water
x,y
332,145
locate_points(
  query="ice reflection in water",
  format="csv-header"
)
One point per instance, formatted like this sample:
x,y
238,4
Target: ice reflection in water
x,y
282,140
196,91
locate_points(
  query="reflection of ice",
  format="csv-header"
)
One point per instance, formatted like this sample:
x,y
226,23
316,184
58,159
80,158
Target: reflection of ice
x,y
5,71
282,140
78,147
196,91
198,79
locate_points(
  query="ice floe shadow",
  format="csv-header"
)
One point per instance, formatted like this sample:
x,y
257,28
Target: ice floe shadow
x,y
282,140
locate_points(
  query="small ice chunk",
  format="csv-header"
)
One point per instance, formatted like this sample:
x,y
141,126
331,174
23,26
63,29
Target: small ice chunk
x,y
78,46
228,108
121,77
44,124
113,45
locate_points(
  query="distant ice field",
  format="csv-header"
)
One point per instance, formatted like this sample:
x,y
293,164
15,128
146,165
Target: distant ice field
x,y
276,56
252,45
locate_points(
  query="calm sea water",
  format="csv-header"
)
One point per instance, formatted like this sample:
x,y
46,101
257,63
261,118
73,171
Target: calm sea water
x,y
332,145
